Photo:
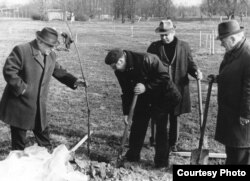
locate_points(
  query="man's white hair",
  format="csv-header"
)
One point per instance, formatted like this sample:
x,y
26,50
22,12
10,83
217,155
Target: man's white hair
x,y
238,36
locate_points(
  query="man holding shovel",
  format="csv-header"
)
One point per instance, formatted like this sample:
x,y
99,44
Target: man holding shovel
x,y
144,75
176,57
233,118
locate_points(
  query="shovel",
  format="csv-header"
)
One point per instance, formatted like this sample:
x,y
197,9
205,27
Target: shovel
x,y
80,142
200,156
125,133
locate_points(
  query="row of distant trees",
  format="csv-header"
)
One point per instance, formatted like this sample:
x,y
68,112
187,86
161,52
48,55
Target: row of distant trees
x,y
229,8
131,9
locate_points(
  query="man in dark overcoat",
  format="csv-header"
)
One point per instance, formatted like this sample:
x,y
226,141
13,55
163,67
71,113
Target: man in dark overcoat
x,y
143,74
233,128
27,72
176,56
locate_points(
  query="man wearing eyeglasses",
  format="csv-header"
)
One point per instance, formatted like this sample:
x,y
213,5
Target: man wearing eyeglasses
x,y
27,71
176,56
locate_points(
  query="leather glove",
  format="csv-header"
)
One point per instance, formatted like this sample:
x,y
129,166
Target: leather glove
x,y
212,78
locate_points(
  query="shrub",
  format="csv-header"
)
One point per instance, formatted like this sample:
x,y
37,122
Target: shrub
x,y
36,17
80,17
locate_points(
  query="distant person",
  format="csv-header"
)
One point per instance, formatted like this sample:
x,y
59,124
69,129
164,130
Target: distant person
x,y
176,57
233,118
27,72
143,74
72,18
67,40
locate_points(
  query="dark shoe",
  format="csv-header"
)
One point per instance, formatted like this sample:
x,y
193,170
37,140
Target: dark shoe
x,y
131,158
161,165
173,149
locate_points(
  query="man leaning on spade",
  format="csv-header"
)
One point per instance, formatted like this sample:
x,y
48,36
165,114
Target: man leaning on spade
x,y
177,59
233,117
27,72
143,74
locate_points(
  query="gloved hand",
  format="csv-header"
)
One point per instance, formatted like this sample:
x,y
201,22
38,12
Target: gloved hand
x,y
81,83
212,78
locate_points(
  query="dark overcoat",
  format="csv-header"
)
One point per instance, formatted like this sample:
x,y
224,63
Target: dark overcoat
x,y
25,69
183,66
234,97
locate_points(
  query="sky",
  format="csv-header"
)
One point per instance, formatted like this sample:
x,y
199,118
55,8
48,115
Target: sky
x,y
11,2
187,2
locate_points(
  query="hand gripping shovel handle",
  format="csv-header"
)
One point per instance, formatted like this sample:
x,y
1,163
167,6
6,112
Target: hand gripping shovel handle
x,y
130,117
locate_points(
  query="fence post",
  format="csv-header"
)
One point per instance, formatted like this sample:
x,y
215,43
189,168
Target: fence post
x,y
132,31
206,41
114,28
210,44
200,38
76,38
213,41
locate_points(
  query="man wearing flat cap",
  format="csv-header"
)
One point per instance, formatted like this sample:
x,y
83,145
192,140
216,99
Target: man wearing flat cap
x,y
144,74
27,72
233,118
176,57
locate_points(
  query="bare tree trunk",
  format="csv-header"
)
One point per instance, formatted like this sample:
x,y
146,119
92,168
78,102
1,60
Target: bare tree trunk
x,y
123,10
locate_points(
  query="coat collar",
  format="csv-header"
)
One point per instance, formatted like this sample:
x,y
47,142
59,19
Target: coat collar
x,y
37,53
129,60
235,52
232,54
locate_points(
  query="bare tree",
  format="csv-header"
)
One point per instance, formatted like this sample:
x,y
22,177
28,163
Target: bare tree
x,y
230,8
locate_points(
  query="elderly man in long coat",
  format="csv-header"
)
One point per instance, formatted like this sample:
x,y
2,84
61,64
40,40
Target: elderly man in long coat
x,y
233,128
27,71
176,56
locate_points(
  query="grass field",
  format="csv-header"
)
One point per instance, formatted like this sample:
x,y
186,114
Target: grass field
x,y
67,112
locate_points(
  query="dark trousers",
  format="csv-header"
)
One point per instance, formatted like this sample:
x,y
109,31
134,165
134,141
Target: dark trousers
x,y
138,132
173,129
18,138
161,139
237,156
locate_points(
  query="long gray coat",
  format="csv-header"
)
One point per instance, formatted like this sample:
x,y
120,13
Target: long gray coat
x,y
25,69
234,97
184,65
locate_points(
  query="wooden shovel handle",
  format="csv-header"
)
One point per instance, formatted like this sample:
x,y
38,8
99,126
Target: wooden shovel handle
x,y
130,117
200,102
80,142
210,85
